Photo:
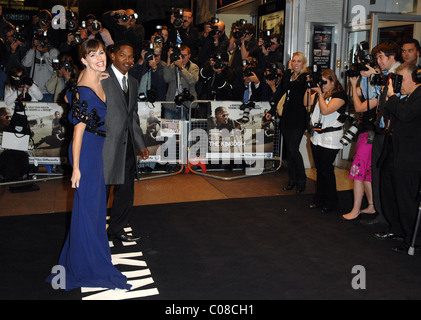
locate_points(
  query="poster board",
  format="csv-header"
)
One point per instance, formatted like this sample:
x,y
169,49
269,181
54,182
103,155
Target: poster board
x,y
322,46
272,18
238,133
50,138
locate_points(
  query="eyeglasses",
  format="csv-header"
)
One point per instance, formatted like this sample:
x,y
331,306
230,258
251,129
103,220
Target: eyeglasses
x,y
7,117
225,115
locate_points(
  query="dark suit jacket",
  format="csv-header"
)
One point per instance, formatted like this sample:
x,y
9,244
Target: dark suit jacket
x,y
121,120
406,137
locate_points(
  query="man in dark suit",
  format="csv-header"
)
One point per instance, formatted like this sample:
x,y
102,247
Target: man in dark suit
x,y
401,164
124,138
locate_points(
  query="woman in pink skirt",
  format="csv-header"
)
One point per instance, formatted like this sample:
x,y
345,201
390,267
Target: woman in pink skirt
x,y
360,170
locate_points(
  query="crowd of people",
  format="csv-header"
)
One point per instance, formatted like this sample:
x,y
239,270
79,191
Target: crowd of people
x,y
39,61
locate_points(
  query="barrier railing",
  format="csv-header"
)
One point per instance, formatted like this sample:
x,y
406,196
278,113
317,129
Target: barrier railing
x,y
196,138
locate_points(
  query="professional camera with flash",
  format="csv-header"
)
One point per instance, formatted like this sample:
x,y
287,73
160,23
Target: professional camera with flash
x,y
352,132
315,78
214,27
96,26
380,79
361,58
239,28
178,15
246,107
184,96
220,59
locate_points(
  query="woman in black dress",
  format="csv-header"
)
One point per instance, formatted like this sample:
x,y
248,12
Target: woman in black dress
x,y
293,118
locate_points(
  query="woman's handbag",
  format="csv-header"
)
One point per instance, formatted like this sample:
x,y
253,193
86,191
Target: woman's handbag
x,y
280,105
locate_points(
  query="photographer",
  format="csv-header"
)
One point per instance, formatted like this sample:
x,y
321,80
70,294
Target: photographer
x,y
243,43
213,40
180,74
247,82
19,87
215,79
411,52
329,102
14,47
293,118
64,75
268,51
387,55
182,30
124,26
160,39
401,165
95,30
72,36
273,77
39,59
361,168
149,72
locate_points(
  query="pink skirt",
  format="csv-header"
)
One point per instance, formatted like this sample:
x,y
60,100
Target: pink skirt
x,y
361,165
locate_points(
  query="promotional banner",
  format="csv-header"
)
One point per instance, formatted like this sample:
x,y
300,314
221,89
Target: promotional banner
x,y
240,131
49,141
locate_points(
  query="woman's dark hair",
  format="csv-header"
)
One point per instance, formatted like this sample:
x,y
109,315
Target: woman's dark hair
x,y
89,46
389,48
331,76
13,73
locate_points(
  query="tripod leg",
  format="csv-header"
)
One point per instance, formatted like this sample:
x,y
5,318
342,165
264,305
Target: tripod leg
x,y
411,249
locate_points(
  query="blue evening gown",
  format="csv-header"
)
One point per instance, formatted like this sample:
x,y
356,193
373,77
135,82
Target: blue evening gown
x,y
86,253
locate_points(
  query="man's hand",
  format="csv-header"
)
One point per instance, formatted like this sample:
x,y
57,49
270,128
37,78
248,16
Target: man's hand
x,y
144,153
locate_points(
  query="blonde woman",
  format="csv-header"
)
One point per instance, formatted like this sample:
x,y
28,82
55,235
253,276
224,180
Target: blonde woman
x,y
293,119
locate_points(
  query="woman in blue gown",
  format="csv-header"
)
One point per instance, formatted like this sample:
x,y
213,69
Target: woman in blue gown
x,y
86,254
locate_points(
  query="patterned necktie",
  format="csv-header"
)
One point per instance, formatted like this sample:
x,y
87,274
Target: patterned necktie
x,y
124,84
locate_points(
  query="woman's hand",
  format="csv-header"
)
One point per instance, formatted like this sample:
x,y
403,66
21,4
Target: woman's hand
x,y
75,178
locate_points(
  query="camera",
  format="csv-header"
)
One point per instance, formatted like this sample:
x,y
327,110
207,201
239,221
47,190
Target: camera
x,y
67,64
19,34
267,39
20,81
239,28
150,96
315,78
176,54
159,38
362,57
380,79
41,36
220,59
246,107
352,132
96,26
71,20
178,15
184,96
271,71
249,66
150,51
77,37
214,27
124,17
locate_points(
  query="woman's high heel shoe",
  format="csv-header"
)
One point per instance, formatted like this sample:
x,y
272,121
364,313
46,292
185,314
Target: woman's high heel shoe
x,y
289,186
300,188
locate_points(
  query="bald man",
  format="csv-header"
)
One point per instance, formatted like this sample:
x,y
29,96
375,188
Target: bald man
x,y
211,43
